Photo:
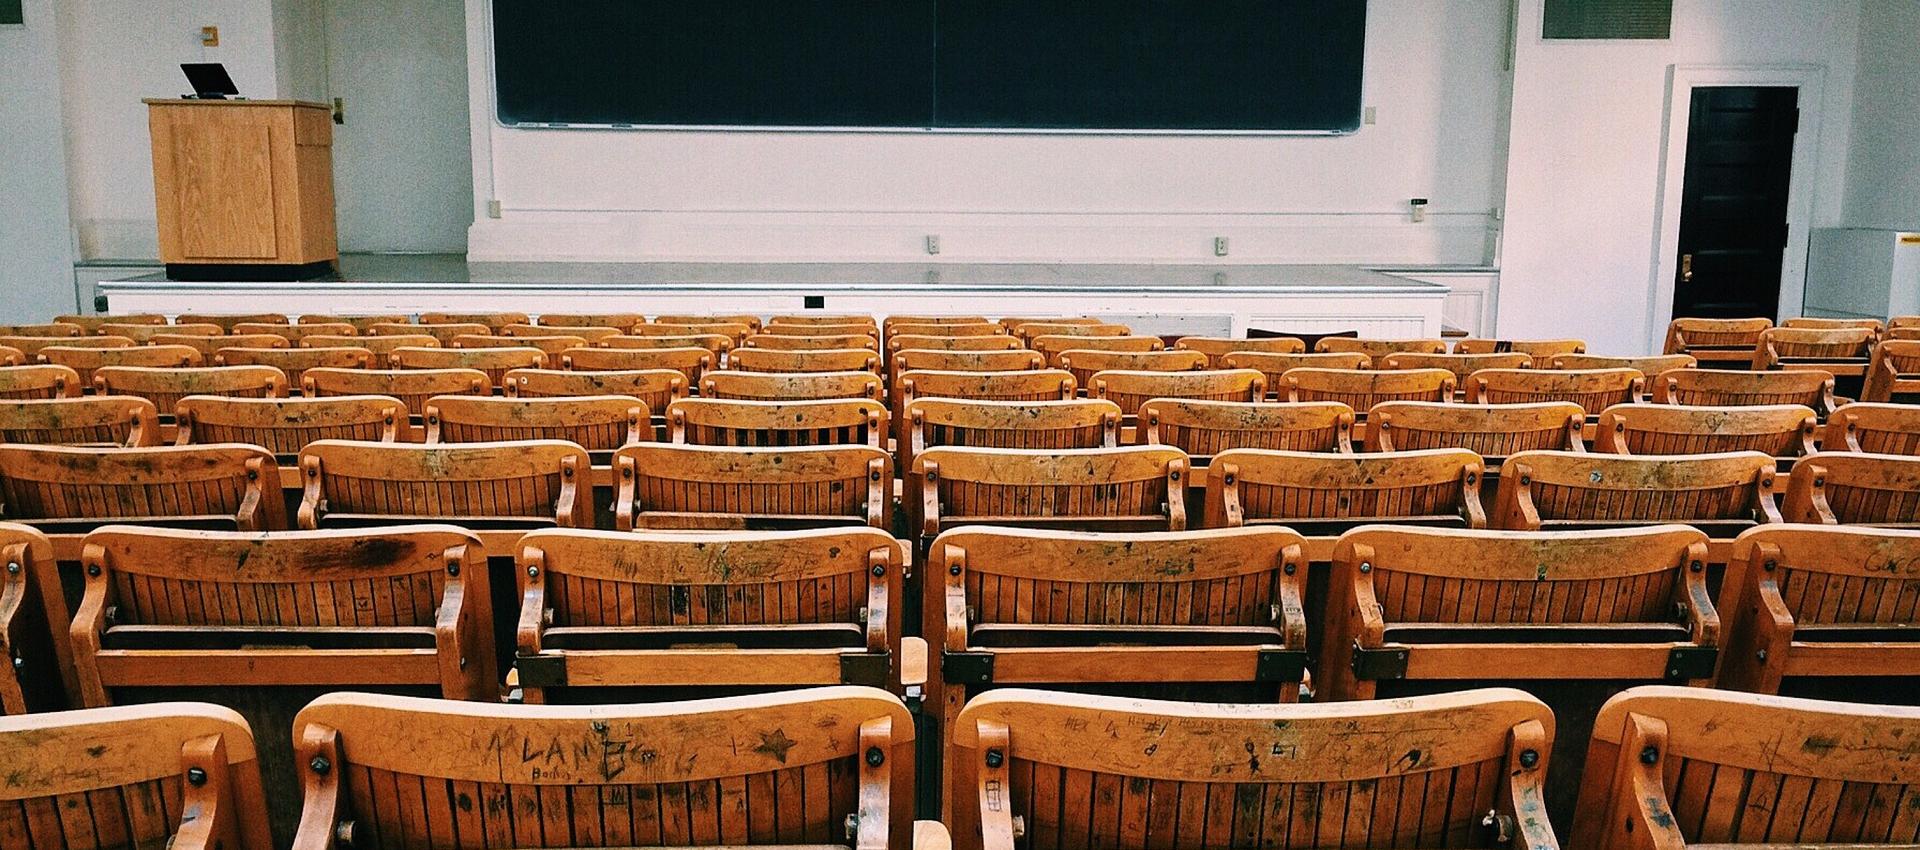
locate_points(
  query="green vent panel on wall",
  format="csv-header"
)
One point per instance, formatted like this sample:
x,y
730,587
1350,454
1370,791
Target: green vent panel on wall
x,y
1601,19
10,12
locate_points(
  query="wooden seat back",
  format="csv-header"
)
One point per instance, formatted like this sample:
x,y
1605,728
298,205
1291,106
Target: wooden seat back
x,y
752,322
1721,494
1069,424
733,422
1888,429
1131,389
621,321
1894,372
1492,431
734,487
1727,388
166,387
1032,330
716,345
93,323
551,344
33,625
39,382
1676,767
1131,488
1825,601
10,356
413,387
360,323
284,426
493,321
1051,346
1010,360
1216,348
144,334
836,329
737,332
1378,348
822,320
760,608
116,421
1416,604
1541,350
1781,430
656,388
791,386
1837,350
495,362
406,605
526,483
1593,389
1648,365
48,330
1322,493
1274,366
1011,322
1461,365
599,423
1833,324
381,346
32,346
445,334
677,774
945,329
936,342
890,323
294,362
293,334
86,360
67,489
1716,341
692,363
589,335
208,345
1204,428
1361,389
1083,363
182,775
228,322
1029,385
799,342
805,360
1852,488
1289,777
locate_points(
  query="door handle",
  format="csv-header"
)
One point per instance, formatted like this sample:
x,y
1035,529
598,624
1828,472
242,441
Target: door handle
x,y
1686,268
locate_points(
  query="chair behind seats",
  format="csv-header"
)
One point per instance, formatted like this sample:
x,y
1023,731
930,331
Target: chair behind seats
x,y
52,330
1083,363
207,345
666,609
1033,330
406,605
596,423
1650,365
1051,346
692,363
33,626
1461,365
804,360
1011,322
495,362
1833,324
657,388
1097,771
785,330
1074,424
284,426
1131,389
1888,429
820,767
1330,493
181,775
1721,494
294,362
227,322
550,344
752,322
1894,372
588,334
731,422
1361,389
32,346
944,329
1716,343
521,484
714,344
443,333
1593,389
621,321
413,387
91,324
1415,604
1676,767
493,321
729,487
144,334
1541,350
1842,351
791,386
1850,488
86,360
823,319
1379,348
891,322
1216,348
1782,430
1204,428
360,323
64,489
1276,365
936,342
166,387
777,342
39,382
1820,601
735,332
1011,360
99,421
381,346
1131,488
1492,431
295,335
1727,388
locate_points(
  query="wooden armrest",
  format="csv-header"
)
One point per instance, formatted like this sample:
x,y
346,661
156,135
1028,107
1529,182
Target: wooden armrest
x,y
931,835
913,662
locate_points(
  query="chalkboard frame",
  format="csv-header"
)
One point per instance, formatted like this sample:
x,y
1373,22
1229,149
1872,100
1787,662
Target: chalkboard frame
x,y
494,114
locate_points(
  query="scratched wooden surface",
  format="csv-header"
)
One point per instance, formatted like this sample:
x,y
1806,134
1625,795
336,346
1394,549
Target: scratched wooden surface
x,y
1052,345
493,321
595,423
1492,431
1217,348
1593,389
1781,430
1892,429
227,485
1852,488
792,386
91,421
827,358
1379,348
733,422
1461,365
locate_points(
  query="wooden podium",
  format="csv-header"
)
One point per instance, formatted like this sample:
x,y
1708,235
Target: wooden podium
x,y
243,188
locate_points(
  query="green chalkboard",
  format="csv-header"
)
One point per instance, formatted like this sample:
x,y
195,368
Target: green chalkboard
x,y
10,12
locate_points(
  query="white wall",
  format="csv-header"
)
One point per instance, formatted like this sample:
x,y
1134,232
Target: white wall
x,y
36,270
1434,72
300,49
1883,175
1580,246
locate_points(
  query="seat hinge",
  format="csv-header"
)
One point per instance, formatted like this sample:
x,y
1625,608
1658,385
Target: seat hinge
x,y
1379,664
541,671
864,668
1692,662
967,668
1280,665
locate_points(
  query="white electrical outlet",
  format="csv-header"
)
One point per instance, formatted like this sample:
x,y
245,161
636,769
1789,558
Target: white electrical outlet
x,y
1219,246
933,244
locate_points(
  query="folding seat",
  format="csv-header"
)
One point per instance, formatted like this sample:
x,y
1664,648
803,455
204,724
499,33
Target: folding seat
x,y
1815,323
1031,330
889,323
1059,770
1541,350
502,485
1131,389
791,386
1361,389
52,330
812,767
1131,488
1783,430
1204,428
691,362
1330,493
752,359
1593,389
1492,431
764,609
716,345
1888,429
144,334
1084,363
381,346
1059,424
10,356
377,608
821,320
1276,365
207,345
778,328
1894,372
589,335
360,323
1842,352
736,332
493,321
551,344
33,346
91,324
443,333
284,426
228,322
99,421
1012,322
1379,348
1408,607
85,360
1649,365
1007,360
1461,365
495,362
732,422
294,362
1852,488
599,423
295,335
936,342
1028,385
179,775
39,382
1692,767
1721,494
1051,346
65,489
621,321
656,388
1728,388
1217,348
752,322
1826,601
948,329
810,342
665,486
413,387
166,387
33,628
1716,343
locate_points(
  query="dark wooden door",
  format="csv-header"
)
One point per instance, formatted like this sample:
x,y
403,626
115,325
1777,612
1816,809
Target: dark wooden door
x,y
1733,207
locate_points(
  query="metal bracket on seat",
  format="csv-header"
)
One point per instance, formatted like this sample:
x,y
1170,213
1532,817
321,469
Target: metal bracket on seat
x,y
1692,662
864,668
1379,664
1280,665
541,671
967,668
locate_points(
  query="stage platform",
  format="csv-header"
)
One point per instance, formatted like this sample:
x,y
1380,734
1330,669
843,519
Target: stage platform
x,y
1160,299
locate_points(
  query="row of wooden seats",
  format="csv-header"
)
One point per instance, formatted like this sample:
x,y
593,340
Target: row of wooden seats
x,y
1665,767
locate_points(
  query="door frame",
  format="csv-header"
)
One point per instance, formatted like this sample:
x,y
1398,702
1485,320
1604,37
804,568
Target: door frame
x,y
1681,81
